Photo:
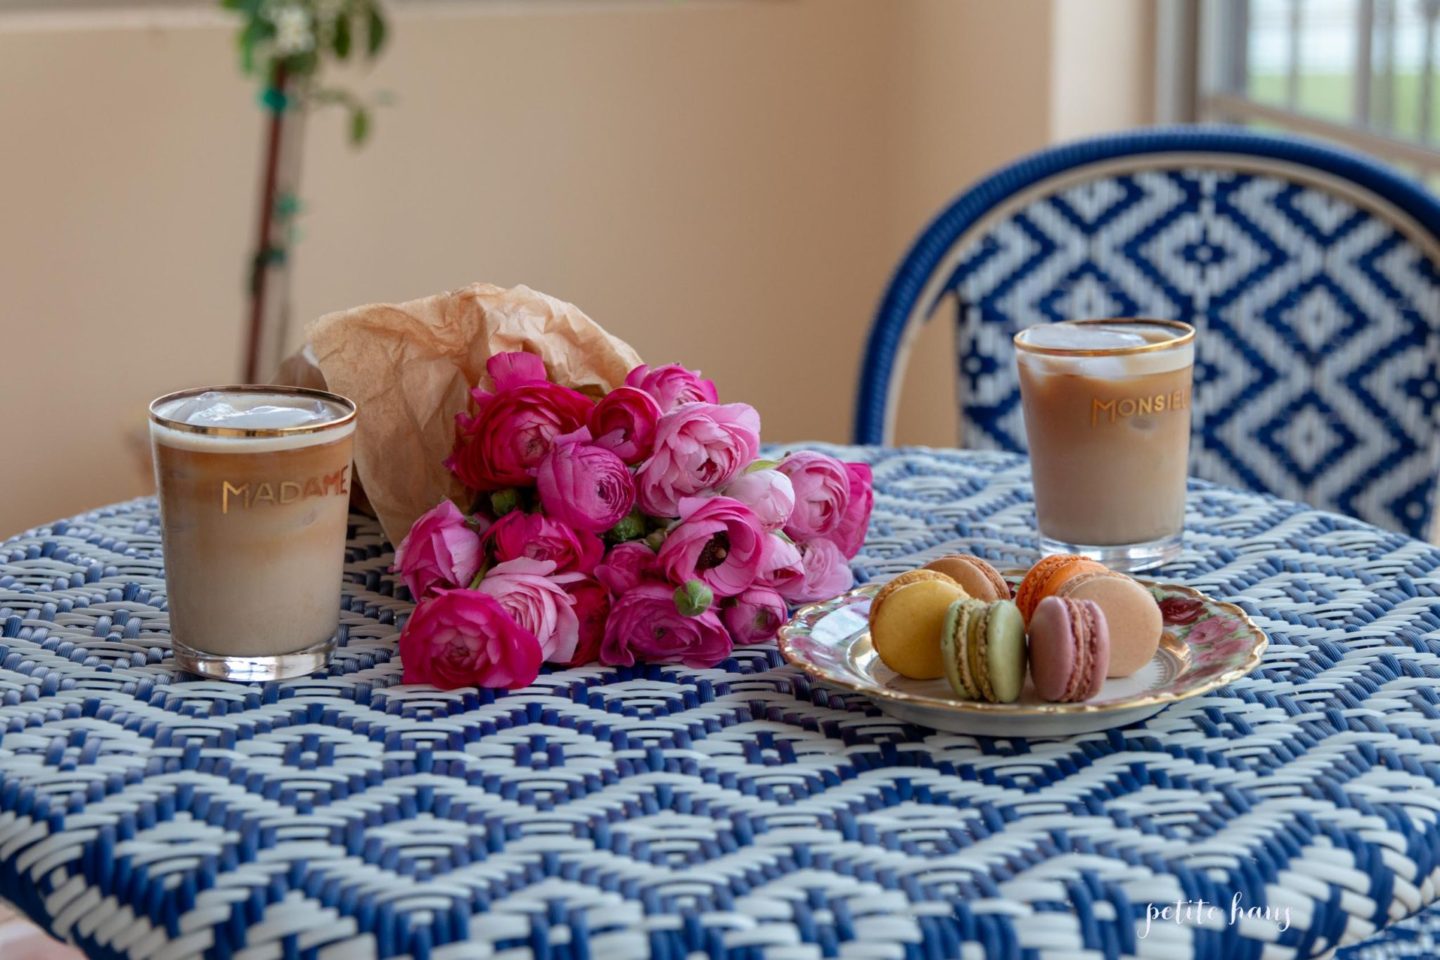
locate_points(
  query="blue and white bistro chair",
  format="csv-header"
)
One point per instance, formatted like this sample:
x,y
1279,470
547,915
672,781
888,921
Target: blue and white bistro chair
x,y
1311,273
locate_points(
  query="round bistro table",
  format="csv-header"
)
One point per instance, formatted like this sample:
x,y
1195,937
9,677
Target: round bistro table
x,y
737,812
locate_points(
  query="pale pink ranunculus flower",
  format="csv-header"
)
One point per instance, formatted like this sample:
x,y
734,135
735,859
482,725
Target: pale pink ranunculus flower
x,y
441,551
827,573
718,542
849,533
767,492
672,385
822,493
782,567
698,448
534,595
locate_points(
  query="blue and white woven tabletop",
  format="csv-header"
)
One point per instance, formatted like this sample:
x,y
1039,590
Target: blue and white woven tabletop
x,y
739,812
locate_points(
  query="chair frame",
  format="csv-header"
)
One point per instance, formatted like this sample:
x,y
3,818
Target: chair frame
x,y
1416,213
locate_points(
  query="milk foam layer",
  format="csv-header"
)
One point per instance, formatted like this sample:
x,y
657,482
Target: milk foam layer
x,y
1104,336
250,411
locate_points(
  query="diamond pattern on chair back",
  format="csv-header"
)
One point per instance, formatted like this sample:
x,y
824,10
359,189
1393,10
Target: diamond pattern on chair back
x,y
1317,317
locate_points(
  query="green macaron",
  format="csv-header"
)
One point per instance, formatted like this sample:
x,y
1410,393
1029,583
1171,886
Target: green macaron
x,y
983,650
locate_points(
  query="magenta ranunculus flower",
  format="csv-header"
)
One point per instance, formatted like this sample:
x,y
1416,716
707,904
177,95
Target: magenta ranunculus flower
x,y
464,638
782,566
532,593
512,429
849,533
672,385
584,486
624,422
827,573
533,535
822,493
592,609
718,541
698,447
755,616
767,492
626,566
440,551
644,625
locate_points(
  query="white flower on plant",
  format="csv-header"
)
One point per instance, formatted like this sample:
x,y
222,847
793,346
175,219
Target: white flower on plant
x,y
292,30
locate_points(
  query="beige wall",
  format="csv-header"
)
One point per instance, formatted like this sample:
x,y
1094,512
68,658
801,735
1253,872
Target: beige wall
x,y
722,183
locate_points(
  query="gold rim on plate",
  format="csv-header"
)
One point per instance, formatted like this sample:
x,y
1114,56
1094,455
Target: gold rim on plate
x,y
1148,699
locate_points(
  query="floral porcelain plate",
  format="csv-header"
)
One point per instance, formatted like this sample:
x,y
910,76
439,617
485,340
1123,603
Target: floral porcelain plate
x,y
1206,644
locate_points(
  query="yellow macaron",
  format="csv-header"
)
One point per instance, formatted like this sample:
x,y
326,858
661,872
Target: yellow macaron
x,y
906,630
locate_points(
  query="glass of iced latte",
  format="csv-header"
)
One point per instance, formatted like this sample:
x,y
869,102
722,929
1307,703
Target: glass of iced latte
x,y
254,486
1107,415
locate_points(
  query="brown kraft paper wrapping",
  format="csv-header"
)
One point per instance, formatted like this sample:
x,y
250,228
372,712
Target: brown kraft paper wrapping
x,y
409,368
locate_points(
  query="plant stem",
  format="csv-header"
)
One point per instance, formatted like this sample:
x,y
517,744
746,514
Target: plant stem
x,y
260,265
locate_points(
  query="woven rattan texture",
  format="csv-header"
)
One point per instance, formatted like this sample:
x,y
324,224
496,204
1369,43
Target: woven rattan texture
x,y
737,812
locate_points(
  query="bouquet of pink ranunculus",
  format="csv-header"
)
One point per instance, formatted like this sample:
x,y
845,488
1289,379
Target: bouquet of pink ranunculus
x,y
642,527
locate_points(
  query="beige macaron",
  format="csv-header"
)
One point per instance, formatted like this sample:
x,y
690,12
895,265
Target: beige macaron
x,y
975,576
1131,614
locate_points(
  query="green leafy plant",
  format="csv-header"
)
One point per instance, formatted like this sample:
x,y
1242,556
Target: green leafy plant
x,y
287,43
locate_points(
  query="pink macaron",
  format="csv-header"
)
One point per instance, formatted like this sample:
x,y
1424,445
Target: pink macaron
x,y
1069,649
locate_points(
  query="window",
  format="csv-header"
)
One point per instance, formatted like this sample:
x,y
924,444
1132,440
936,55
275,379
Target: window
x,y
1362,72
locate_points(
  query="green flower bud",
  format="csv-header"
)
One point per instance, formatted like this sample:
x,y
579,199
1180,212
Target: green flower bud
x,y
693,599
762,465
504,501
631,527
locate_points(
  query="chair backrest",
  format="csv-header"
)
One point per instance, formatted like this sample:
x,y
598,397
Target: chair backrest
x,y
1312,275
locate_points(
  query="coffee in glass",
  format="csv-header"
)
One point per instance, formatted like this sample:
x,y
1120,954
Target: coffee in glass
x,y
1107,415
254,486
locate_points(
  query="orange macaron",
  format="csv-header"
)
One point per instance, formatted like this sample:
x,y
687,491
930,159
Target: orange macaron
x,y
1050,574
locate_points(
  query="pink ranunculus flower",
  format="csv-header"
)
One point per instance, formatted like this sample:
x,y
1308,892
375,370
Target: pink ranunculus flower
x,y
624,422
767,492
538,602
512,429
533,535
440,551
822,493
584,486
718,541
782,566
644,625
592,609
755,616
464,638
849,533
626,566
698,447
827,573
672,385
